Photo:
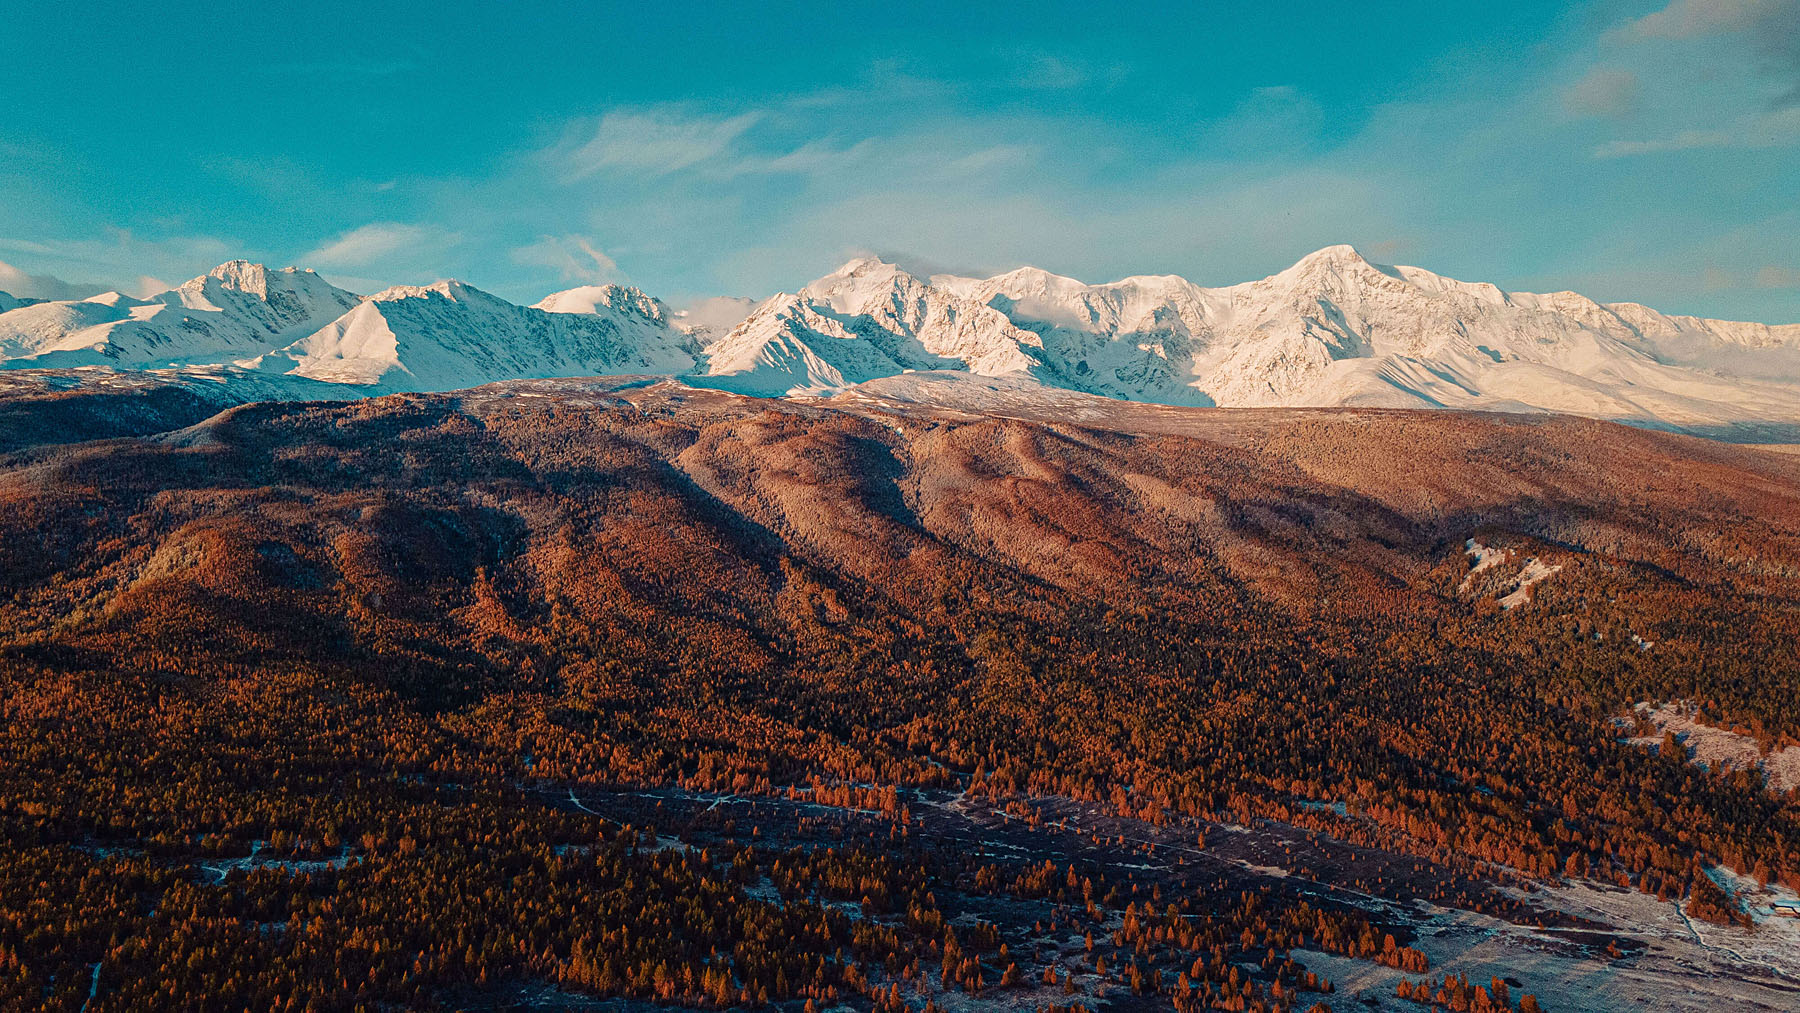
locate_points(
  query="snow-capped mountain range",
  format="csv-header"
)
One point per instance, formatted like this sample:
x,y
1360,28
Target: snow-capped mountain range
x,y
1333,330
235,310
449,335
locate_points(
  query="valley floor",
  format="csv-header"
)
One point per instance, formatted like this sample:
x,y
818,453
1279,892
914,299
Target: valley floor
x,y
1578,946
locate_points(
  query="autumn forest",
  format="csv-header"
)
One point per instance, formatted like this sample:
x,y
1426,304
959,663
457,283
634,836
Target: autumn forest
x,y
612,696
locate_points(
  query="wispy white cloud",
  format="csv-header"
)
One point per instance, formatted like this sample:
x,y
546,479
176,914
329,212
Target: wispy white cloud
x,y
990,159
1776,129
1689,19
574,258
716,314
1277,119
149,285
808,159
1603,92
1773,277
1172,223
1762,35
1050,73
651,141
883,82
1479,173
371,244
1693,76
118,254
17,282
1687,140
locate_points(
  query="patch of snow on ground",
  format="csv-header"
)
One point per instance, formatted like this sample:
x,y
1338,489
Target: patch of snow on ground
x,y
222,868
1710,746
1685,965
1535,570
1486,556
1668,961
1763,903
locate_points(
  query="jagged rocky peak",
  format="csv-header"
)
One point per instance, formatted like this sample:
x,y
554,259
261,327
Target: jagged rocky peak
x,y
238,275
258,280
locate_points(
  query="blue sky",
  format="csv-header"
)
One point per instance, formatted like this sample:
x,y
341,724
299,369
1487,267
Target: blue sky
x,y
1644,150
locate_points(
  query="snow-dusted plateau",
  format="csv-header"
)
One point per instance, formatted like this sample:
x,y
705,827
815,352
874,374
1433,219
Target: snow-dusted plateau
x,y
1333,330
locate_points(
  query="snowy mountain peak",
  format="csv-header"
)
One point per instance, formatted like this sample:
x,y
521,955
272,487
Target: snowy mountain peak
x,y
1333,329
860,277
1340,253
859,266
235,310
450,334
256,280
1341,261
240,275
869,318
447,288
1034,280
594,298
862,287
